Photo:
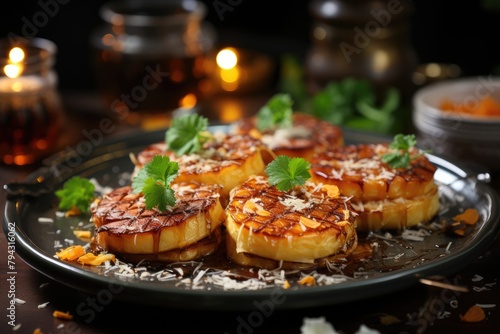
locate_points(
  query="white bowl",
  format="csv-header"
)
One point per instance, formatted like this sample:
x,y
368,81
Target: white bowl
x,y
474,139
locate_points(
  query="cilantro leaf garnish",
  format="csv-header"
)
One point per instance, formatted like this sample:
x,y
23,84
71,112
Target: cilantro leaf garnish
x,y
285,172
154,179
400,156
76,192
187,134
276,113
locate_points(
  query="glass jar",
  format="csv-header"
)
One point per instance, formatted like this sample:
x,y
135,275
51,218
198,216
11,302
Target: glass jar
x,y
367,39
31,114
149,57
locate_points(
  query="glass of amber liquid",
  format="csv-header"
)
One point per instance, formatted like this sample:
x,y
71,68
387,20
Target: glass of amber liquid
x,y
149,58
31,115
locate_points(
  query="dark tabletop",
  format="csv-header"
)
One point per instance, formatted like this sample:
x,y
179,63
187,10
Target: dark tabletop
x,y
417,309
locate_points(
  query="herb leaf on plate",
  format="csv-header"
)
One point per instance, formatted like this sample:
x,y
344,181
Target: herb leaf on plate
x,y
76,192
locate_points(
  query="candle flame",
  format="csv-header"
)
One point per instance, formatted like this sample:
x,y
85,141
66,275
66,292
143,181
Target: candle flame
x,y
15,68
230,75
227,61
227,58
16,55
12,70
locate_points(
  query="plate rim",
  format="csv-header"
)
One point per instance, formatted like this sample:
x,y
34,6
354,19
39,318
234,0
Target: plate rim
x,y
91,283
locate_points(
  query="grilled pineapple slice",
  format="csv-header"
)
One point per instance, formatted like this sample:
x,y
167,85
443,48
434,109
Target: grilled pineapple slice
x,y
307,135
197,250
303,227
385,197
185,231
227,160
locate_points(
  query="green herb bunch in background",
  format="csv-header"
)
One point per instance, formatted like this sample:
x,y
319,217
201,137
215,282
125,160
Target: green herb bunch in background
x,y
351,102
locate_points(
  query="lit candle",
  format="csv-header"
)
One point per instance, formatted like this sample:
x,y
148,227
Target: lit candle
x,y
239,70
25,84
14,81
229,71
29,104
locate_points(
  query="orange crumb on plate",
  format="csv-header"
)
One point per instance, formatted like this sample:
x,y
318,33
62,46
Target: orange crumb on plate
x,y
308,280
96,260
469,217
71,253
62,315
473,314
82,235
74,211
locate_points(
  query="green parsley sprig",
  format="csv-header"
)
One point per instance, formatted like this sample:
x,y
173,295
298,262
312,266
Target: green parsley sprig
x,y
285,173
76,192
276,113
400,156
154,179
187,134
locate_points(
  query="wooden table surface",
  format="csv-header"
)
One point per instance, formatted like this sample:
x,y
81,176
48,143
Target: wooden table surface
x,y
418,309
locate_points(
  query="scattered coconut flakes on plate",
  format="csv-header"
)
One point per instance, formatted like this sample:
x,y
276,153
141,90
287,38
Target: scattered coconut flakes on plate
x,y
363,329
321,326
45,220
43,305
487,305
414,235
317,326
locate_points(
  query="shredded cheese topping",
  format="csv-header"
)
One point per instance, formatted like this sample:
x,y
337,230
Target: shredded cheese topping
x,y
281,137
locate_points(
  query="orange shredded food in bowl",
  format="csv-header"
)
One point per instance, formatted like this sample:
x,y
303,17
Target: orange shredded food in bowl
x,y
486,106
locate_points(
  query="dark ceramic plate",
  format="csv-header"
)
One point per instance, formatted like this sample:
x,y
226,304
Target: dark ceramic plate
x,y
399,262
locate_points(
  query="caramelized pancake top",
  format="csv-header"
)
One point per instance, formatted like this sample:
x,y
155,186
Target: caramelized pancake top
x,y
218,153
359,171
307,134
263,209
124,212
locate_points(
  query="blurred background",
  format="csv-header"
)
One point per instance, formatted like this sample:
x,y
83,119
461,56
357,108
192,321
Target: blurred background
x,y
464,33
364,57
